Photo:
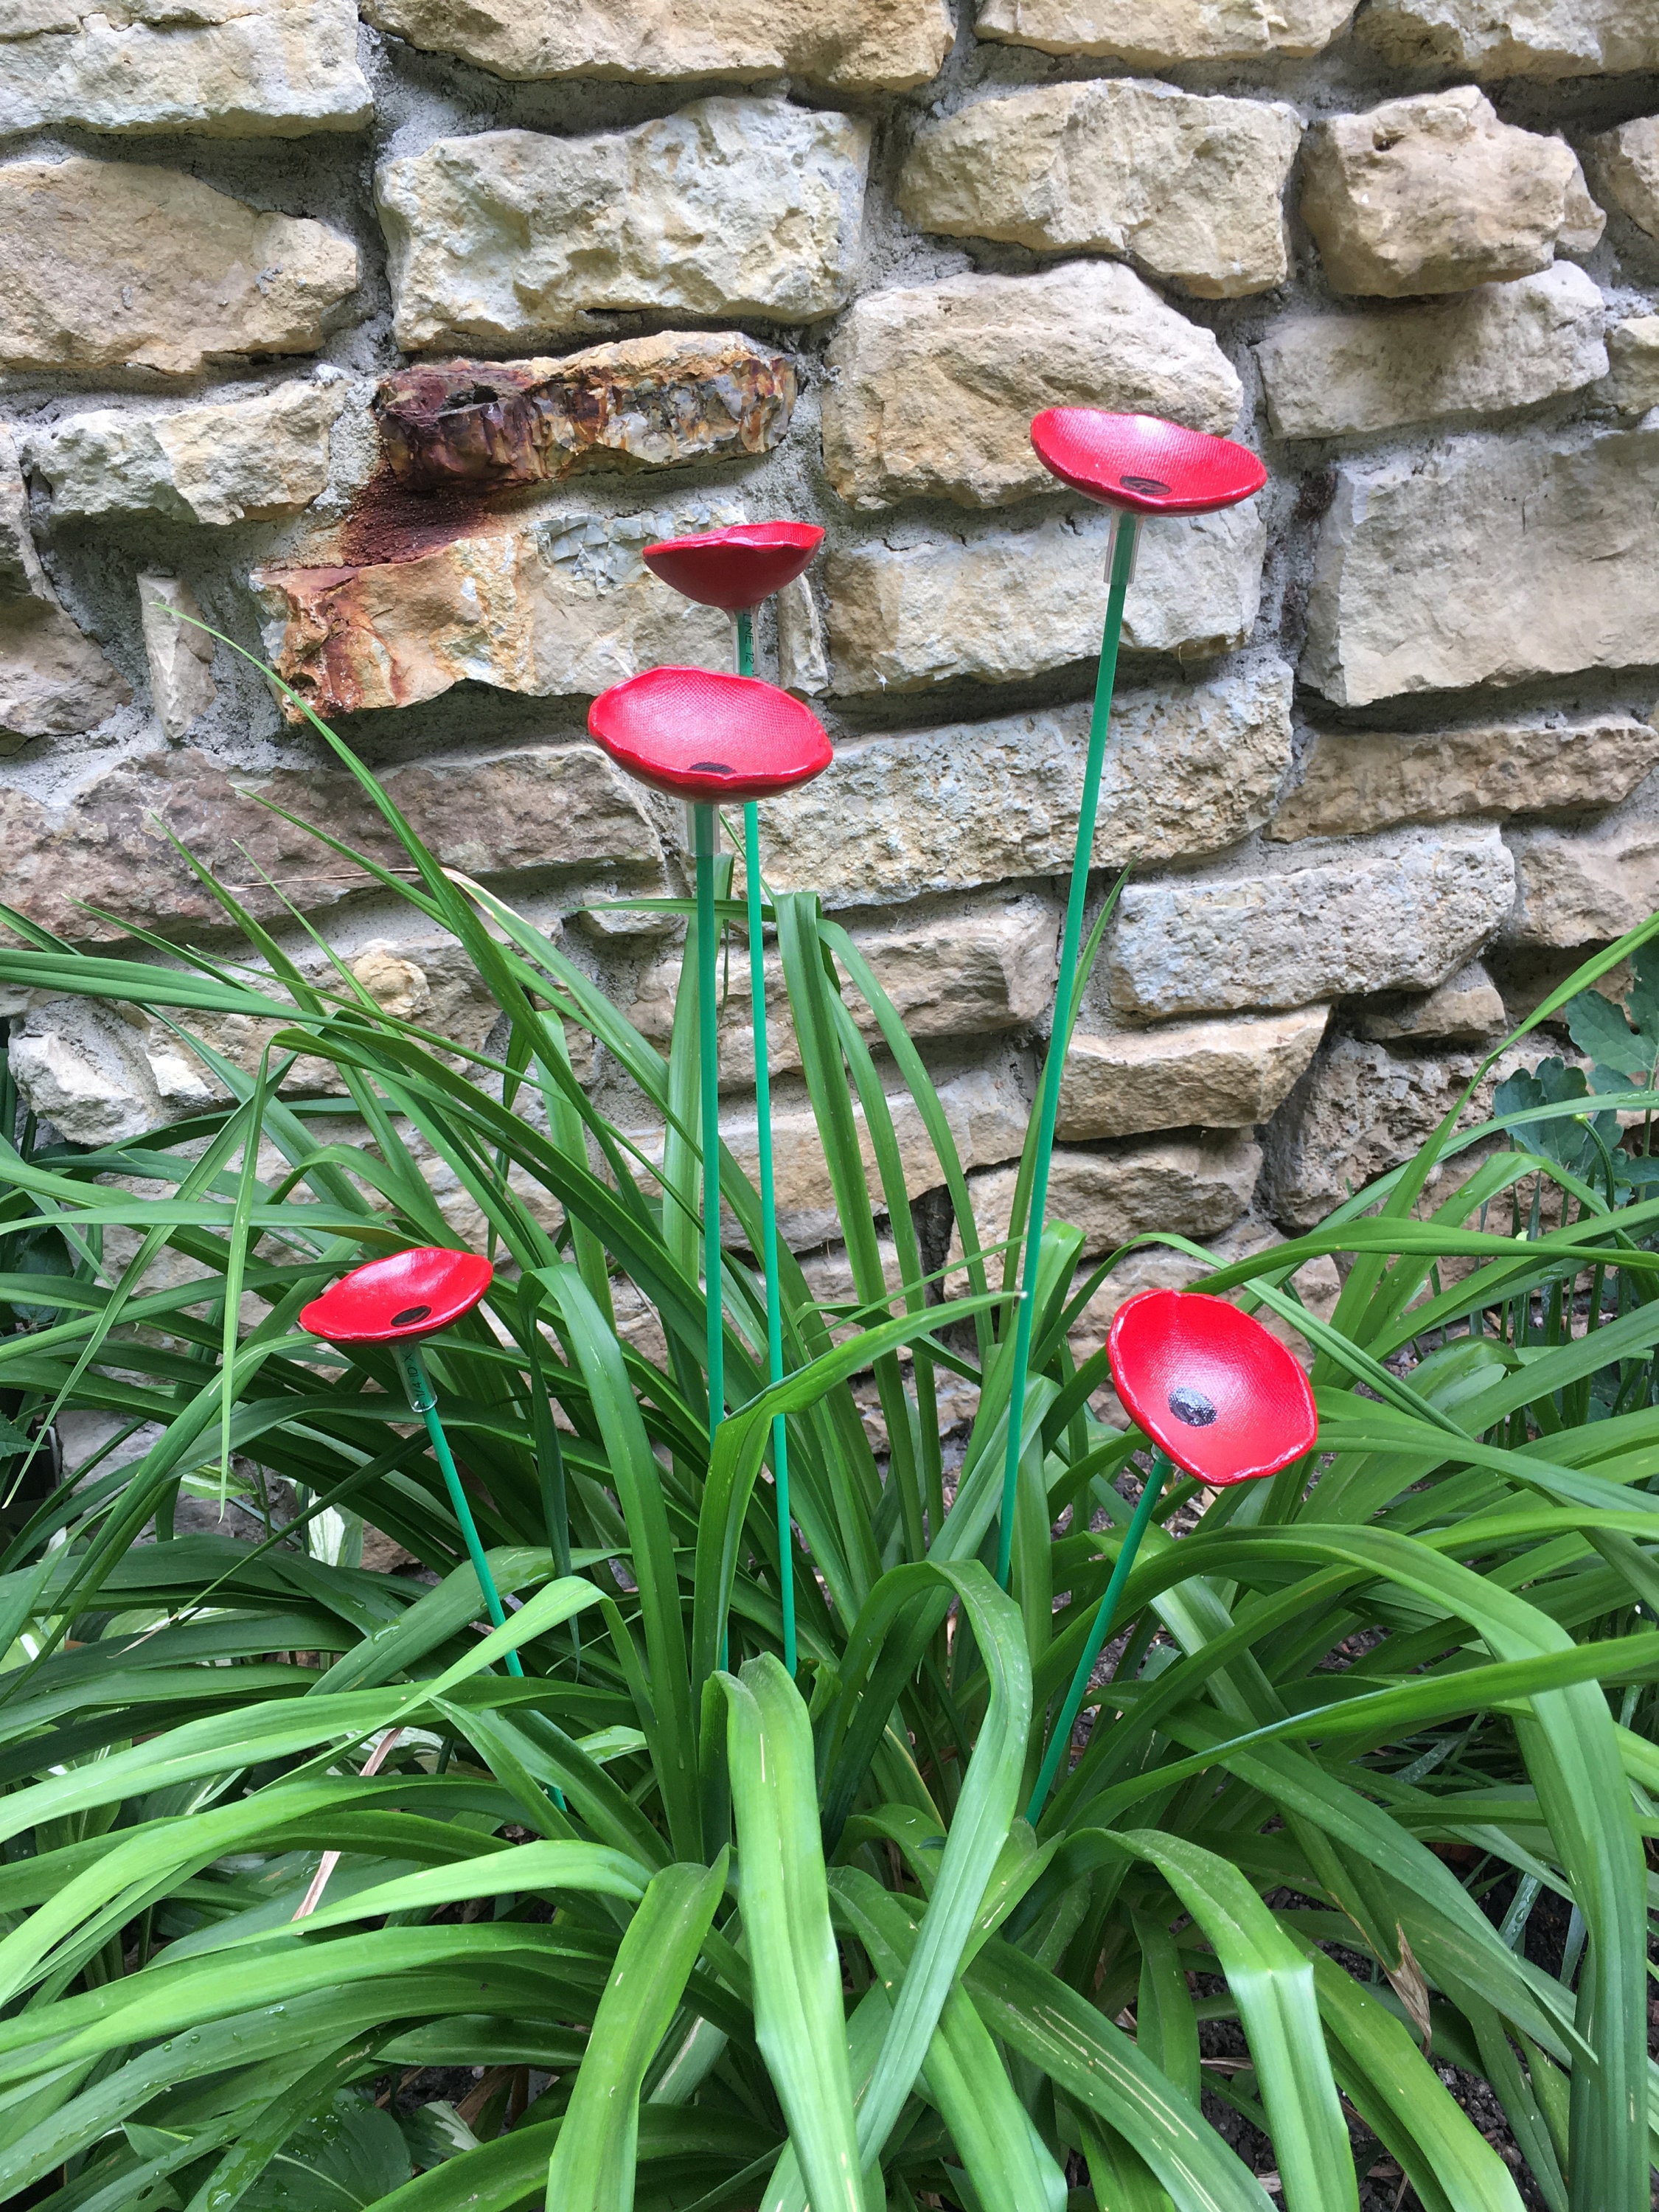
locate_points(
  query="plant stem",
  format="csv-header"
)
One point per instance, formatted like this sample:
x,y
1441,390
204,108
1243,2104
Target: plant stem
x,y
1138,1525
418,1383
745,621
703,837
1122,564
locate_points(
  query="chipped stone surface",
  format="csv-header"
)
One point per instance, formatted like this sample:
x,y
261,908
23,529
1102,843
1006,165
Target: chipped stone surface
x,y
1187,186
82,1066
1425,579
1221,1075
803,652
509,236
1149,33
1194,1186
1583,886
1633,355
1500,346
1513,37
1626,166
1468,1008
242,460
108,265
1434,194
1190,769
647,403
564,809
853,46
1399,911
933,386
901,621
559,604
53,679
180,656
1156,1266
231,69
1352,783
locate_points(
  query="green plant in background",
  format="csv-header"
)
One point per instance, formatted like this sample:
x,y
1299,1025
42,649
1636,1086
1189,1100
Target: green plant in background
x,y
1365,1795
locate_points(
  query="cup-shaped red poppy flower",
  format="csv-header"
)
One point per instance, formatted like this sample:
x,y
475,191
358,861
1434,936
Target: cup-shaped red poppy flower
x,y
1141,462
738,566
1224,1399
410,1294
702,735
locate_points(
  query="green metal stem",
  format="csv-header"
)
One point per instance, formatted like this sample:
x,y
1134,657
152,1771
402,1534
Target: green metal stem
x,y
418,1383
769,1220
1123,554
1139,1522
704,828
745,619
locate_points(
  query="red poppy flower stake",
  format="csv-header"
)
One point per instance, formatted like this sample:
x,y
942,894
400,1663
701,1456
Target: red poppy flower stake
x,y
1221,1399
707,737
396,1301
1137,465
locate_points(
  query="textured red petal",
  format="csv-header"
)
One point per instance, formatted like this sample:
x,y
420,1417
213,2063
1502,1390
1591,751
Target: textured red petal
x,y
1140,462
738,566
1210,1386
702,735
410,1294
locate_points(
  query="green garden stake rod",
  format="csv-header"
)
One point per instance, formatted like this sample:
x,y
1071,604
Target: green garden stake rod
x,y
418,1384
1121,568
704,833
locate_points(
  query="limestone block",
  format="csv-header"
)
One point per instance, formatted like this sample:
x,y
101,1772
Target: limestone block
x,y
1194,1186
803,653
245,460
82,1066
1217,1075
1626,165
1401,911
1633,354
1434,194
54,681
235,69
109,265
558,810
1500,346
1148,34
1468,1008
1191,769
1486,561
558,604
1583,886
1155,1267
955,974
21,573
1350,784
1186,186
645,403
180,656
512,235
853,46
1014,603
1513,37
933,386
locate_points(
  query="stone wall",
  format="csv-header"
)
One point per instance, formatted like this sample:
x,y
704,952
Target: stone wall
x,y
385,344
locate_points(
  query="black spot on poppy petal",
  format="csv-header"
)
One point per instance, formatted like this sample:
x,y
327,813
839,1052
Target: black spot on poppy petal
x,y
410,1315
713,768
1192,1406
1150,485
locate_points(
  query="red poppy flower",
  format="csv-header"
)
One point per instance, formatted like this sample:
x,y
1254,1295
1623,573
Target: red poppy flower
x,y
701,735
411,1294
736,567
1211,1388
1140,462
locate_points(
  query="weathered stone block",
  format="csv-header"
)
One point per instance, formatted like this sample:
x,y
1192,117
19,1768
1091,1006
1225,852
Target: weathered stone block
x,y
564,809
1188,187
853,45
235,69
242,460
1148,34
1583,886
1466,1009
1503,345
1633,356
933,386
180,656
510,235
1399,911
901,620
1217,1075
1626,166
1434,194
1194,1186
646,403
108,265
1486,561
561,603
1349,784
1190,769
1513,37
53,679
